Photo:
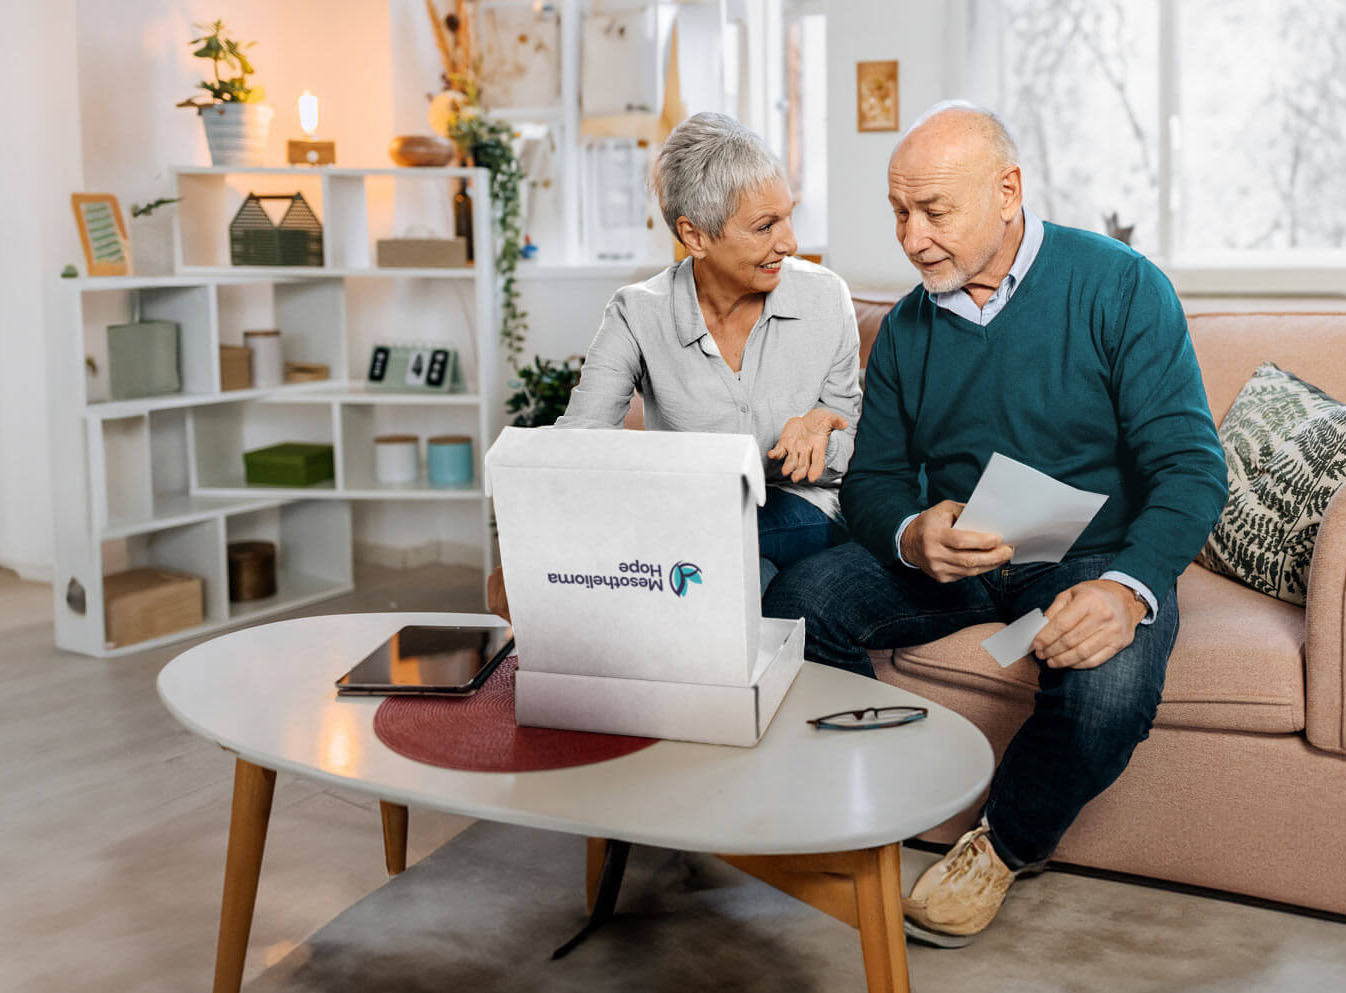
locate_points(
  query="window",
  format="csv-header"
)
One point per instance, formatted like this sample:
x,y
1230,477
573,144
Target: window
x,y
1215,128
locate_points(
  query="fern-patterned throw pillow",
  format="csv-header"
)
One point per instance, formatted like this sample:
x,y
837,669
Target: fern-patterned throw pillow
x,y
1285,443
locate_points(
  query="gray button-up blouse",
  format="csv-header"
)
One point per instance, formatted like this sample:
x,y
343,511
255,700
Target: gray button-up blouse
x,y
804,352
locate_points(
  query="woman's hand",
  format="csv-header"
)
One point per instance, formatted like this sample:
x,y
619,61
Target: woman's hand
x,y
803,443
496,601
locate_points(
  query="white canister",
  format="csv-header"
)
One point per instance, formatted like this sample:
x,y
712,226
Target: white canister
x,y
396,459
267,363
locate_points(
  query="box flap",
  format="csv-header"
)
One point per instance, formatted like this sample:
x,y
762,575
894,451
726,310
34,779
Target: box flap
x,y
647,451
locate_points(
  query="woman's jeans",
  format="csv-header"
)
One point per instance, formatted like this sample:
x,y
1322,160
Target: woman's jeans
x,y
1085,722
789,528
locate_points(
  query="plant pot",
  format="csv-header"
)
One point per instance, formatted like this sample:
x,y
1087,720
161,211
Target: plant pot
x,y
237,132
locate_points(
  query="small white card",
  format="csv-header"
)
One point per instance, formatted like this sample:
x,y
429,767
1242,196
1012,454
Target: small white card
x,y
1040,516
1009,645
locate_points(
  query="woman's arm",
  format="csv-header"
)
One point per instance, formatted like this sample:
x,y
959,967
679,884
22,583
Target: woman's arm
x,y
612,368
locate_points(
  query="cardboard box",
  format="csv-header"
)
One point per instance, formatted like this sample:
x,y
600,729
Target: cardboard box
x,y
292,463
631,553
716,714
145,603
235,367
422,253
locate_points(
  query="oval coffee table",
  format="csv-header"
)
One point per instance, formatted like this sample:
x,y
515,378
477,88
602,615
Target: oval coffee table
x,y
820,814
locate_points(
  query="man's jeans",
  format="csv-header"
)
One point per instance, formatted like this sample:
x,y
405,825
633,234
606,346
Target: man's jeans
x,y
789,528
1085,722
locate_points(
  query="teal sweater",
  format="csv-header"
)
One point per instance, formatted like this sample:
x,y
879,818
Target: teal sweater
x,y
1087,374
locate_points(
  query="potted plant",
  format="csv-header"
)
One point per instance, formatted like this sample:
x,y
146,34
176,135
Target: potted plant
x,y
237,122
544,391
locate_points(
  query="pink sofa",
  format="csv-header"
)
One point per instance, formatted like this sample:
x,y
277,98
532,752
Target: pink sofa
x,y
1241,785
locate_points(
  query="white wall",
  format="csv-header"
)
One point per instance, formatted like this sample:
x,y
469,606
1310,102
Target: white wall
x,y
927,40
38,171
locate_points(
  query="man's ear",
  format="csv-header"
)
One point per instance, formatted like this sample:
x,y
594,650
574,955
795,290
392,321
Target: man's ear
x,y
693,238
1011,192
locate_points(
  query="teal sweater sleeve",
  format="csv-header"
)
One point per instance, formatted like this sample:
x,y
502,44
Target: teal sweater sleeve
x,y
1166,427
882,487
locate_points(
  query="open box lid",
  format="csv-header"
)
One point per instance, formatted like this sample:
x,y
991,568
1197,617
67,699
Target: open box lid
x,y
685,452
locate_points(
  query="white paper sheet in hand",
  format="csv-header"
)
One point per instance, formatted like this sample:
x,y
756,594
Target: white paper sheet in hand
x,y
1010,644
1040,516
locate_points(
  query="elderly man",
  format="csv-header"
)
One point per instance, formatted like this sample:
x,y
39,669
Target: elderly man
x,y
1064,350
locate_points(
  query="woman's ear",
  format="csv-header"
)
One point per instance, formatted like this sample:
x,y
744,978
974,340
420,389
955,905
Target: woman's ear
x,y
692,238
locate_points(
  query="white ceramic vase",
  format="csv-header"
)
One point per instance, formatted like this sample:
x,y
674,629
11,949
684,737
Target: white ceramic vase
x,y
237,132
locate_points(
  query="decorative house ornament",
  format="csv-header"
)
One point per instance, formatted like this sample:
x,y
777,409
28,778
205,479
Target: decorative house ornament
x,y
255,240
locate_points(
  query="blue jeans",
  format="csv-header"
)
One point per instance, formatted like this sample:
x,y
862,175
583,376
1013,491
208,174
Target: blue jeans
x,y
789,528
1085,722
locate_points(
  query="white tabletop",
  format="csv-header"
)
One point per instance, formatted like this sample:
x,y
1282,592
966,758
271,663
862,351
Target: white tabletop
x,y
266,693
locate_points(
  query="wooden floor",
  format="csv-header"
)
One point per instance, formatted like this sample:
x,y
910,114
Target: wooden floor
x,y
114,819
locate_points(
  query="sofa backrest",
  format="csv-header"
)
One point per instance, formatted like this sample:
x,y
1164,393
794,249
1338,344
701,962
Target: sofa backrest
x,y
1230,346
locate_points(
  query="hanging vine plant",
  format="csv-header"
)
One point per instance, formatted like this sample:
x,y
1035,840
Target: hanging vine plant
x,y
456,113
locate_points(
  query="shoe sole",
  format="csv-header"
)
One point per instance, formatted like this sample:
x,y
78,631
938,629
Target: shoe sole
x,y
936,939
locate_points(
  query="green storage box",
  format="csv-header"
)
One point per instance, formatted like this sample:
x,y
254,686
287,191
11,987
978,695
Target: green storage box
x,y
293,463
142,359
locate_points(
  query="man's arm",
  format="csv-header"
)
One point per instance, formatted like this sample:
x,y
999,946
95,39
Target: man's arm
x,y
881,488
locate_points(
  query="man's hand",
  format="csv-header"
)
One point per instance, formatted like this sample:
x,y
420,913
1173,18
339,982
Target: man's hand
x,y
803,443
496,601
932,545
1088,624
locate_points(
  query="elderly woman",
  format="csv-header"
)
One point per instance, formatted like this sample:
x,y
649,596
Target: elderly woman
x,y
739,337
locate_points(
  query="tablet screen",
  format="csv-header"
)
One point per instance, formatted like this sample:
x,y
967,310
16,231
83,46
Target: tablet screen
x,y
423,659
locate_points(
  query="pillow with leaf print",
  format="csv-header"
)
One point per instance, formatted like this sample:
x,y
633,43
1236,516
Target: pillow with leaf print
x,y
1285,444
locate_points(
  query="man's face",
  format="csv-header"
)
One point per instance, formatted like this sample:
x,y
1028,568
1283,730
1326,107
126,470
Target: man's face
x,y
946,196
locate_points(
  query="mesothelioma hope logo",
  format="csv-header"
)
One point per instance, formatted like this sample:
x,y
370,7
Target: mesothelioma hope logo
x,y
681,575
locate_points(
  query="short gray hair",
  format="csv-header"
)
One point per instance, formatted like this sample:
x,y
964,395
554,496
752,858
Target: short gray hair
x,y
993,129
706,165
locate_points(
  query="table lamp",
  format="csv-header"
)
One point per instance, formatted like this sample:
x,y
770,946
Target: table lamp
x,y
309,151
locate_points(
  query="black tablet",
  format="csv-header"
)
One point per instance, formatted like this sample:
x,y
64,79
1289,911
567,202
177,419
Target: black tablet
x,y
423,660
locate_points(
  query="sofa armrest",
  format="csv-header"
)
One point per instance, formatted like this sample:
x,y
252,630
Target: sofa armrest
x,y
1325,632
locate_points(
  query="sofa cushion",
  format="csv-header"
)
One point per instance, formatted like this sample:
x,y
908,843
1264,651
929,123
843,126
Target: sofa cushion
x,y
1285,443
1214,681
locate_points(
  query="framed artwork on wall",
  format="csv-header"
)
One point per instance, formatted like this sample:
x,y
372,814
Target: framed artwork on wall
x,y
107,252
876,96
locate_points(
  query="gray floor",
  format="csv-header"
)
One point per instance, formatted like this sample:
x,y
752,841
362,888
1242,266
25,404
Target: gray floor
x,y
114,821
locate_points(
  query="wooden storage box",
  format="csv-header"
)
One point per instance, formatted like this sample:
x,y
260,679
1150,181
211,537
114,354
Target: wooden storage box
x,y
145,603
422,253
291,463
235,367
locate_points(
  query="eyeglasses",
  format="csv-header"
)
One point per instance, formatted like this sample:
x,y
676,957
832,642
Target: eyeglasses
x,y
869,719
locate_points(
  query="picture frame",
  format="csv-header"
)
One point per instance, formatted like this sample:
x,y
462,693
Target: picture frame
x,y
876,96
102,233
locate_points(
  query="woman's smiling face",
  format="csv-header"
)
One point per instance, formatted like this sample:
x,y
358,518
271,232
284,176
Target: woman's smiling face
x,y
756,237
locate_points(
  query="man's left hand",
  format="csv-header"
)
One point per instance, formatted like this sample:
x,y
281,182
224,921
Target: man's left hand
x,y
803,444
1088,624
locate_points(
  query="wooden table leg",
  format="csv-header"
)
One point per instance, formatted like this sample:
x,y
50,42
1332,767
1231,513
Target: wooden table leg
x,y
861,888
596,849
253,790
395,822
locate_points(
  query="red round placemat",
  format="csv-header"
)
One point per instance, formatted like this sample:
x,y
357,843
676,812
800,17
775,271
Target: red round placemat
x,y
478,733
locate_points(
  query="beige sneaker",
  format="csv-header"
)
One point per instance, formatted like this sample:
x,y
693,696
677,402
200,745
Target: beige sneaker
x,y
959,895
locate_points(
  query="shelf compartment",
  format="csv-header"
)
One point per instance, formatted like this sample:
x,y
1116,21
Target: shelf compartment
x,y
219,435
190,307
362,423
313,553
309,315
190,548
211,199
174,509
434,313
289,392
358,393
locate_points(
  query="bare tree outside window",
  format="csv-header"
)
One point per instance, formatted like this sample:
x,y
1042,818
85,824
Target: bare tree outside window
x,y
1262,139
1081,89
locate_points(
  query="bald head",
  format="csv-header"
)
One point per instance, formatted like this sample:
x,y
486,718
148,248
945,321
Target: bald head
x,y
961,130
956,192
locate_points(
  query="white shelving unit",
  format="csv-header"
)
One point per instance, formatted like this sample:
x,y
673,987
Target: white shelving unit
x,y
159,481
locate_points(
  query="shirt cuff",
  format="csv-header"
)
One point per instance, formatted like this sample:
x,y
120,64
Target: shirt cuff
x,y
1135,584
897,540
